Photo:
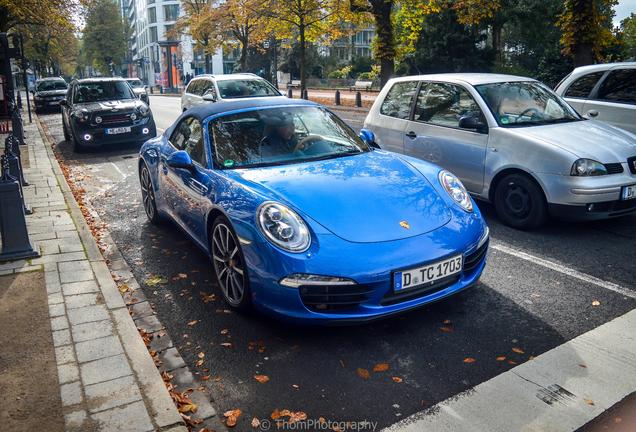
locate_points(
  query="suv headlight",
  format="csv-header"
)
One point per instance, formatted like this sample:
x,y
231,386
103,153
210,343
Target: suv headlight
x,y
143,110
283,227
588,167
81,115
456,190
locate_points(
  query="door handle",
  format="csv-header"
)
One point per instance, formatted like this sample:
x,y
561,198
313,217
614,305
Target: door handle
x,y
411,135
592,113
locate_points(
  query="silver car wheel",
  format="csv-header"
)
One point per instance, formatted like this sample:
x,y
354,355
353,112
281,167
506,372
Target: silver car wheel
x,y
228,264
147,194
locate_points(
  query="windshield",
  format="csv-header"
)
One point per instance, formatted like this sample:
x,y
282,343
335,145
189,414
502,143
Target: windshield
x,y
51,85
102,91
231,89
135,83
280,136
526,103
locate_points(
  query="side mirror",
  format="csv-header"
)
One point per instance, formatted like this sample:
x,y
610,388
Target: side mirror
x,y
209,97
180,159
369,138
473,122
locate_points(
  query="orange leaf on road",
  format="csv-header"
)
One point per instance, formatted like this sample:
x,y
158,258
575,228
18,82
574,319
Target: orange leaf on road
x,y
589,402
518,350
363,373
469,360
231,417
256,422
201,355
261,378
397,379
381,367
446,329
192,323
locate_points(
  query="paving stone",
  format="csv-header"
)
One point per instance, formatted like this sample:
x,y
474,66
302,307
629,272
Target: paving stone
x,y
28,269
87,314
78,301
56,310
160,343
98,348
105,369
71,393
140,310
61,337
91,330
64,354
170,360
183,380
131,418
75,288
56,298
59,323
75,271
61,257
149,323
75,421
70,245
135,295
67,373
109,394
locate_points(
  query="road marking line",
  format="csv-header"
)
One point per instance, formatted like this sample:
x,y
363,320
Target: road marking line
x,y
558,391
119,170
564,269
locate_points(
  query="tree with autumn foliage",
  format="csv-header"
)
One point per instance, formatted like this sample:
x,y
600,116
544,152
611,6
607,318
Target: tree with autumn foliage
x,y
307,21
246,24
587,29
201,21
43,13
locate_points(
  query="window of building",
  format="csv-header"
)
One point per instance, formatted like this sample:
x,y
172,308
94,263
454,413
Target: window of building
x,y
153,34
169,28
171,12
152,15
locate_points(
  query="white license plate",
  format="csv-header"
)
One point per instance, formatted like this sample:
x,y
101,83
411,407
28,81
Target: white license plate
x,y
628,192
119,130
424,275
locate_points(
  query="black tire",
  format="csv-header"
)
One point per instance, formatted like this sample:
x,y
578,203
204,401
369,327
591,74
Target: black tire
x,y
520,202
67,136
148,195
227,268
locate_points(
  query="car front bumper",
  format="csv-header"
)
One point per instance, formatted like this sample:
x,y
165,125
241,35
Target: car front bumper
x,y
588,198
371,266
141,131
46,104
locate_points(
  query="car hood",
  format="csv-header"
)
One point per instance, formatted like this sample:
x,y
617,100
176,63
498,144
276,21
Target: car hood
x,y
139,90
51,93
124,105
360,198
585,139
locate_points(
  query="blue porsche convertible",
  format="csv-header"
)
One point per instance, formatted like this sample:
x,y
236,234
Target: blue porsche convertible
x,y
305,220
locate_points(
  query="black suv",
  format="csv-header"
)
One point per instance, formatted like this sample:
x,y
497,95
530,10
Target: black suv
x,y
100,111
48,93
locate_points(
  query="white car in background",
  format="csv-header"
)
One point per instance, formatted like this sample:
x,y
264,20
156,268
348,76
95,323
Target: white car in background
x,y
216,88
604,92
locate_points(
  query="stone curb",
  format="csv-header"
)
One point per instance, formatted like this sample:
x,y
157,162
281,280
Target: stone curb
x,y
158,401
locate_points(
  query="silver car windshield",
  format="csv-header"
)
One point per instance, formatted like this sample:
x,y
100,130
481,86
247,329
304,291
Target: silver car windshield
x,y
525,103
233,89
277,136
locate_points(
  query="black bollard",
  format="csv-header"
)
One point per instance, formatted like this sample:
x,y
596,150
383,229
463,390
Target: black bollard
x,y
305,95
290,93
337,97
161,89
13,228
14,166
12,143
19,101
16,124
152,90
358,99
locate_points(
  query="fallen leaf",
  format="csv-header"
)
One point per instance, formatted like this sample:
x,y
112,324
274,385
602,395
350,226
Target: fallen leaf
x,y
205,377
512,362
156,280
363,373
224,331
617,419
342,364
297,416
199,363
201,355
187,407
397,379
256,423
296,386
227,344
583,366
501,358
596,303
469,360
446,321
381,367
261,378
446,329
192,323
518,350
589,402
231,417
123,288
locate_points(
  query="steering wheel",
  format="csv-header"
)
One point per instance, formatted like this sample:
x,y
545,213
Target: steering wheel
x,y
307,142
528,110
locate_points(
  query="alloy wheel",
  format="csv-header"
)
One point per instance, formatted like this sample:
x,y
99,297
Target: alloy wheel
x,y
228,264
148,194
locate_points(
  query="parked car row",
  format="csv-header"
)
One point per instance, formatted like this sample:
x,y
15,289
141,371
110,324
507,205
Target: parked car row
x,y
306,220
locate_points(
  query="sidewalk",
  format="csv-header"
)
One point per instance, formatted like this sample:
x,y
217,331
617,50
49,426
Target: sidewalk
x,y
107,379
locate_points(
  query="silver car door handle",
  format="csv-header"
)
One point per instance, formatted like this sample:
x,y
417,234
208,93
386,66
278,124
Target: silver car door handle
x,y
492,149
411,135
592,113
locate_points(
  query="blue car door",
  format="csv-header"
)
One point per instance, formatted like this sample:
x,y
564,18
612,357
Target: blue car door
x,y
186,190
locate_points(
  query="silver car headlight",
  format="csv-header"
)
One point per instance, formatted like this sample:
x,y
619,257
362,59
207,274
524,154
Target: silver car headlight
x,y
456,190
283,227
588,167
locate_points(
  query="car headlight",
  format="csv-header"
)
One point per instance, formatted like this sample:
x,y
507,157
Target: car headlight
x,y
81,115
283,227
588,167
456,190
143,110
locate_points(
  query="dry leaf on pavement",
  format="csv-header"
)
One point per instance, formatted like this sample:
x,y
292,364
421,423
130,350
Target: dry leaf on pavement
x,y
397,379
261,378
596,303
501,358
192,323
469,360
381,367
256,422
518,350
589,402
363,373
201,355
231,417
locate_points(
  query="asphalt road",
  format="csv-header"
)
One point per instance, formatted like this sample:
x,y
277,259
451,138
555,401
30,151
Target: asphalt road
x,y
538,291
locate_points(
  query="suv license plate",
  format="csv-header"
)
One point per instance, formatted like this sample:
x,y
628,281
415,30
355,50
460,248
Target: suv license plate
x,y
629,192
119,130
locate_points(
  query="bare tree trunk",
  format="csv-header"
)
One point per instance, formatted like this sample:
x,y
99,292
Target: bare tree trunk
x,y
497,27
582,52
303,72
385,43
208,65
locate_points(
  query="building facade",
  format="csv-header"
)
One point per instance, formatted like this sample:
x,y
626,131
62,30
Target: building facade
x,y
155,57
357,45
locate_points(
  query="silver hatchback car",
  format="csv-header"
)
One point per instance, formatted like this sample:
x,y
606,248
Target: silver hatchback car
x,y
512,142
216,88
